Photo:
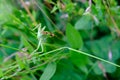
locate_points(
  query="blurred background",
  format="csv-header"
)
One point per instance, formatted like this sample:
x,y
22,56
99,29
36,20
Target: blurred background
x,y
91,26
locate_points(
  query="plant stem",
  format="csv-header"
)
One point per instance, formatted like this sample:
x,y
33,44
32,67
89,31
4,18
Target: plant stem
x,y
112,19
92,56
28,11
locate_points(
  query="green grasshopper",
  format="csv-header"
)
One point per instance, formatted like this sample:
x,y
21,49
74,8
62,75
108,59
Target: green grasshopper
x,y
40,37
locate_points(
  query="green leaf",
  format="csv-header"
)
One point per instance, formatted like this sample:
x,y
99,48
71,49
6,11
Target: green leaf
x,y
66,71
27,44
49,71
84,23
73,37
79,60
54,9
102,50
69,7
1,73
20,62
107,67
97,70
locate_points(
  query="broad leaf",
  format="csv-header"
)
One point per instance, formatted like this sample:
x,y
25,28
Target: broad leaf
x,y
99,68
67,69
49,71
79,60
85,22
73,37
104,48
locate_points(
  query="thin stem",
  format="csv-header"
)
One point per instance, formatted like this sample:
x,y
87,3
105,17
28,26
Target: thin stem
x,y
45,14
28,11
2,45
95,57
112,19
28,69
90,70
92,56
78,51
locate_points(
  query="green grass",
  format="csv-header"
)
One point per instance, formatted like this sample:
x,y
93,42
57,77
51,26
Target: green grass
x,y
59,40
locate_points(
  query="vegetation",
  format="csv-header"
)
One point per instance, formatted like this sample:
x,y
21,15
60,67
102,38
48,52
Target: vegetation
x,y
59,40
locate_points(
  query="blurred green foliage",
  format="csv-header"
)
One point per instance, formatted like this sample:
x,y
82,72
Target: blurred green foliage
x,y
91,26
